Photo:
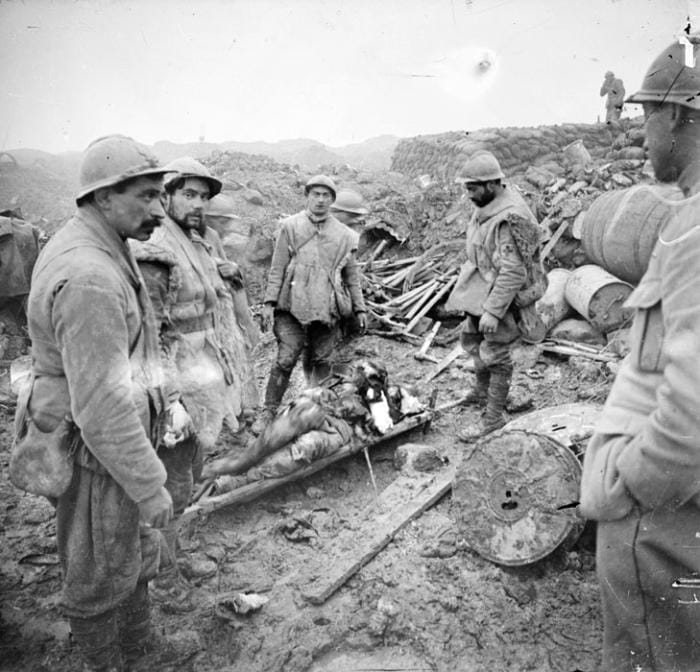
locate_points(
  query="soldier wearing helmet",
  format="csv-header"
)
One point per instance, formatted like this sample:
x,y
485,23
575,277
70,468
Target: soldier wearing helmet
x,y
614,89
497,286
349,207
641,471
96,375
314,281
202,345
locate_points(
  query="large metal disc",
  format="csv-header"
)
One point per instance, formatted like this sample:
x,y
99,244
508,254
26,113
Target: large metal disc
x,y
513,496
570,424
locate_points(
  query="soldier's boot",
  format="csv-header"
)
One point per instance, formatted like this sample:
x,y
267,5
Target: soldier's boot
x,y
169,589
320,371
135,624
478,394
276,387
492,418
142,648
97,638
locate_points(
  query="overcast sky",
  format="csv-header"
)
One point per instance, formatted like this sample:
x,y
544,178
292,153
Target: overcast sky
x,y
338,71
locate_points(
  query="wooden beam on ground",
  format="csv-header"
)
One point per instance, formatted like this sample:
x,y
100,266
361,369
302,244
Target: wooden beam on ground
x,y
377,532
254,490
444,363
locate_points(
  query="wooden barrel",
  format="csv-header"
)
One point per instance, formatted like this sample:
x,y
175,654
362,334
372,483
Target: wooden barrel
x,y
598,296
621,227
514,496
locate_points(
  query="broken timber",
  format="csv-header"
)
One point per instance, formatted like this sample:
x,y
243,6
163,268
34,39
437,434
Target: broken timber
x,y
444,363
254,490
377,533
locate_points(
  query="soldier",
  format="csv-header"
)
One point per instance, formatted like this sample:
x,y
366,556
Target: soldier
x,y
95,361
349,208
201,344
614,89
641,472
314,281
497,286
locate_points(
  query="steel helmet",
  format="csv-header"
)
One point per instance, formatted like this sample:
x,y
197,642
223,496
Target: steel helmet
x,y
670,80
321,181
480,167
221,206
348,200
186,166
112,159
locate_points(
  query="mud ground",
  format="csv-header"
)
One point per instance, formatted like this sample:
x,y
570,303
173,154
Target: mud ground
x,y
425,602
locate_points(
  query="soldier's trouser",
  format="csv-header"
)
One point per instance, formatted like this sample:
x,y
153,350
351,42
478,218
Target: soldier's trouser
x,y
98,641
493,363
319,339
649,624
490,350
102,548
104,554
183,464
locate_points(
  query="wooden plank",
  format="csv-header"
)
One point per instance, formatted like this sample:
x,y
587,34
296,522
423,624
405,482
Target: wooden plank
x,y
553,240
376,532
445,288
444,363
422,299
254,490
576,352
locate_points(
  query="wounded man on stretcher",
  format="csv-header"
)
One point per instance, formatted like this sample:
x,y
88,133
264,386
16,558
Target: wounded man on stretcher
x,y
317,424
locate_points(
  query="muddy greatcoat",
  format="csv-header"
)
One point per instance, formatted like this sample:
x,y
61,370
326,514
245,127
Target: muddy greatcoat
x,y
494,274
641,472
95,356
308,261
202,346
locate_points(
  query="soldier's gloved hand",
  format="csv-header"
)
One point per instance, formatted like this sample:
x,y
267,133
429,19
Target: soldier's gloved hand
x,y
178,425
488,323
156,510
361,321
230,271
268,316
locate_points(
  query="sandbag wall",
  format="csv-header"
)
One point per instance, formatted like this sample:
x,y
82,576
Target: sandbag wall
x,y
441,155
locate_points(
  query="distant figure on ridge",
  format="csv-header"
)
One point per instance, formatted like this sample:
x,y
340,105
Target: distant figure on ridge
x,y
615,90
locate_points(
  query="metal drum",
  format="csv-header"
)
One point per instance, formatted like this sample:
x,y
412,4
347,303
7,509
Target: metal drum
x,y
515,496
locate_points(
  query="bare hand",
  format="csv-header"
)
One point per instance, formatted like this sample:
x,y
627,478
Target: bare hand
x,y
230,271
156,510
361,322
268,317
488,324
178,425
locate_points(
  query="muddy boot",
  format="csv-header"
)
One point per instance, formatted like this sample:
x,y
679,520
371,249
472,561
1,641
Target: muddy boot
x,y
320,372
478,394
276,387
493,418
142,648
170,590
173,594
97,638
135,625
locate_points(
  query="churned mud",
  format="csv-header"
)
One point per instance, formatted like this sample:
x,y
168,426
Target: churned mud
x,y
424,602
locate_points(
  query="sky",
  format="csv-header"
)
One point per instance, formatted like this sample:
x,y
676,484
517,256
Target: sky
x,y
337,71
